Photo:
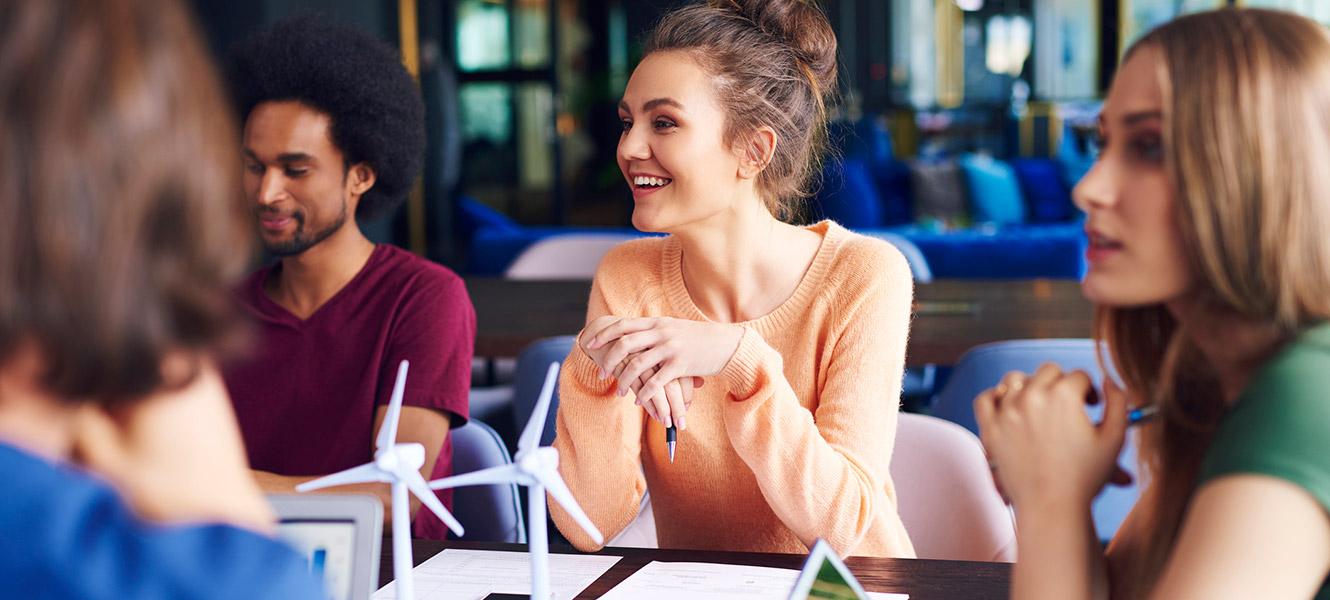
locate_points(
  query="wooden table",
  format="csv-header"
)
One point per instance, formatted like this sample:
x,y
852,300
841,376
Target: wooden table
x,y
921,579
951,316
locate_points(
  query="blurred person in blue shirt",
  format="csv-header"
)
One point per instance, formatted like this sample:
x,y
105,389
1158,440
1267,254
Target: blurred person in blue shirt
x,y
123,228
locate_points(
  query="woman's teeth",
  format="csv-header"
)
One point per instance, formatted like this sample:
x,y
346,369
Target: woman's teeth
x,y
644,181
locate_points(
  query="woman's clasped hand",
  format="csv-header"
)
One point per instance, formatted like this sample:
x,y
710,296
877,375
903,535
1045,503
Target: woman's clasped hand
x,y
1024,415
659,359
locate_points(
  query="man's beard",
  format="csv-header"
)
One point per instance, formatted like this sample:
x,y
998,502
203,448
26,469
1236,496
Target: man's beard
x,y
301,242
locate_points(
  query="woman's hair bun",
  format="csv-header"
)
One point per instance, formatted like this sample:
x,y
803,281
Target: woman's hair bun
x,y
772,64
799,23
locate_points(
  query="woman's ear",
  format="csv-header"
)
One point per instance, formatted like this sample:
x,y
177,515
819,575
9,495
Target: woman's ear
x,y
755,152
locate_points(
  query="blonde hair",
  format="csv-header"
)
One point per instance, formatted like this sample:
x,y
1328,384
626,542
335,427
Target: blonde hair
x,y
1247,130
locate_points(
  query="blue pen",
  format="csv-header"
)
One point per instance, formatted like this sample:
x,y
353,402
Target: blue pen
x,y
1142,414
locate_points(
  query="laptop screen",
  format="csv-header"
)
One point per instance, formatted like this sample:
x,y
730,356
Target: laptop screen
x,y
329,546
338,534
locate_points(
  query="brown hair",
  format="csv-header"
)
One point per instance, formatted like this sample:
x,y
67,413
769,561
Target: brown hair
x,y
1247,131
774,64
123,224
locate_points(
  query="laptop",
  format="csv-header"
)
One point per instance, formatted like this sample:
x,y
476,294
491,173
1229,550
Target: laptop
x,y
339,534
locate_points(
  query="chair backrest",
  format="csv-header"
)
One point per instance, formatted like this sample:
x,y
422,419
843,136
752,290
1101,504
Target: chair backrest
x,y
490,513
983,366
913,255
532,364
566,256
946,495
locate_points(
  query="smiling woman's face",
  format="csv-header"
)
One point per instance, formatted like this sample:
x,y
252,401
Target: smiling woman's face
x,y
672,151
1135,251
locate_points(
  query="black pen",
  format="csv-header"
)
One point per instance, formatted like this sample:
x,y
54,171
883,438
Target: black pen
x,y
669,440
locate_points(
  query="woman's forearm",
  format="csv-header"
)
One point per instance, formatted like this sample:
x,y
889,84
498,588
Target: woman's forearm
x,y
1059,556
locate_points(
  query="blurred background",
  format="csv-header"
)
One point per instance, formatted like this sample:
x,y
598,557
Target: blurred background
x,y
521,98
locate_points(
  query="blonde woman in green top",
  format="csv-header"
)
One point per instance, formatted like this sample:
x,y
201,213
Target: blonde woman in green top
x,y
1209,226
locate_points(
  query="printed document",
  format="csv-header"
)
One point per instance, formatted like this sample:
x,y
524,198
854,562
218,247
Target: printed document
x,y
473,574
709,581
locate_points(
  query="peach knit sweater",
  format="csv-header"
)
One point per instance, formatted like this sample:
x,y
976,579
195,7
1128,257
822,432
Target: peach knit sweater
x,y
790,442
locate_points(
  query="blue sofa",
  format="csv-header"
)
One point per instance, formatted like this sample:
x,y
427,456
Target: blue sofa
x,y
982,218
1015,252
971,216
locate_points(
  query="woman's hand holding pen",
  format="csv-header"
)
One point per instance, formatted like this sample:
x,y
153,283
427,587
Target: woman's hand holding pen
x,y
650,355
1043,447
674,400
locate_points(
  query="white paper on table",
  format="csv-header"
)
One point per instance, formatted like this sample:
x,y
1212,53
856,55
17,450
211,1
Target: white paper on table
x,y
711,581
473,574
436,589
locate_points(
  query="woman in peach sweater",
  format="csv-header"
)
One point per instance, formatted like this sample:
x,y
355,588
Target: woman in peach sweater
x,y
776,350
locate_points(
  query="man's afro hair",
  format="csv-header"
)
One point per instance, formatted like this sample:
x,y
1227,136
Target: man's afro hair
x,y
375,108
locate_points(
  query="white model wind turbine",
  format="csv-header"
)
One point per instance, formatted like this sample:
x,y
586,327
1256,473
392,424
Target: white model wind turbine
x,y
537,468
399,465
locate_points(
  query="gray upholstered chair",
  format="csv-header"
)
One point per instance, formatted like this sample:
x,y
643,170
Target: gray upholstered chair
x,y
490,513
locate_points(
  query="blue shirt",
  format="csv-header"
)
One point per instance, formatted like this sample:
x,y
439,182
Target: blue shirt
x,y
63,534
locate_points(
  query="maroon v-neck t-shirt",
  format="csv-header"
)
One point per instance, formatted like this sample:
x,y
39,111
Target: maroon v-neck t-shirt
x,y
306,396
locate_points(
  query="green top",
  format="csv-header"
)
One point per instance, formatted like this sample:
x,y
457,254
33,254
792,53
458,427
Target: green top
x,y
1280,426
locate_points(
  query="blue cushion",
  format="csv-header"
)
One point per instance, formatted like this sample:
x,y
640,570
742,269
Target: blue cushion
x,y
994,192
1075,157
1046,195
1012,252
473,216
866,139
842,139
1073,168
848,195
873,140
938,193
893,187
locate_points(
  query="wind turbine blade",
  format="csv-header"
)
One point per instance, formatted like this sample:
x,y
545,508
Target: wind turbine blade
x,y
492,475
557,488
368,473
417,485
536,425
388,431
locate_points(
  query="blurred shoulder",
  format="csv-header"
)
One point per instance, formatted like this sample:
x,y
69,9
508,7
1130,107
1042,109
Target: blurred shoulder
x,y
863,261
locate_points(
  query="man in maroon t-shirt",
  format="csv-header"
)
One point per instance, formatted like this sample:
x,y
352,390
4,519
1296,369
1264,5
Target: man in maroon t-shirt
x,y
334,135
